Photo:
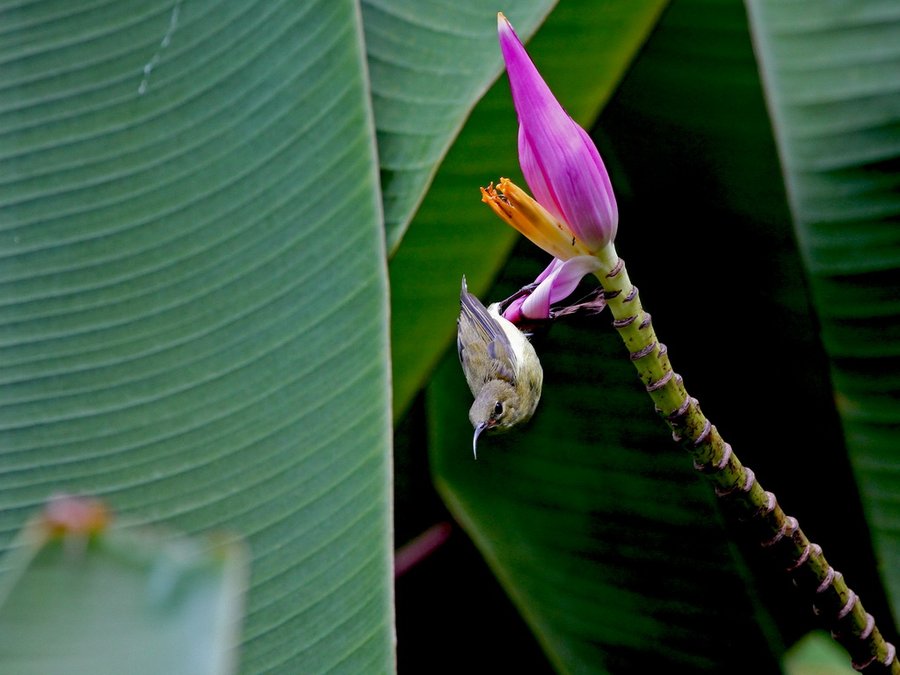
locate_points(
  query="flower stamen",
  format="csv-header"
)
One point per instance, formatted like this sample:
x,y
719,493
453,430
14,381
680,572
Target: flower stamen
x,y
519,210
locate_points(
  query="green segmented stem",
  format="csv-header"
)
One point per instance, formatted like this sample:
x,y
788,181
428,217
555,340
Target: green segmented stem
x,y
736,485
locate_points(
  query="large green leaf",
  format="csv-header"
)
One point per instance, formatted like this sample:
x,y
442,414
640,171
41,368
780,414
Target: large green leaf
x,y
592,518
429,62
194,319
832,74
583,48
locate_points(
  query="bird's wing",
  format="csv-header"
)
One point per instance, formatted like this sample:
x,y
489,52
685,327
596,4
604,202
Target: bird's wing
x,y
486,340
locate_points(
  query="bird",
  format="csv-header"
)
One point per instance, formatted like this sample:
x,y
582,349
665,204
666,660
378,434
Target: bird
x,y
500,365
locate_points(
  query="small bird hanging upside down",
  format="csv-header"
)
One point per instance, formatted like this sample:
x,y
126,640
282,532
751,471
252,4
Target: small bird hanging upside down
x,y
500,365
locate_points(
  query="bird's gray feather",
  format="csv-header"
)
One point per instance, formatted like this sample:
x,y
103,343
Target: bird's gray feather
x,y
492,347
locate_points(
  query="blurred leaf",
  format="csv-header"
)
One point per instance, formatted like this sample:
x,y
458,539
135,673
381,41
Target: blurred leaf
x,y
832,76
430,62
127,600
817,654
194,313
583,50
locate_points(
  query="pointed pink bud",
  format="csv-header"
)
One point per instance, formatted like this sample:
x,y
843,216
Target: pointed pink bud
x,y
554,284
558,158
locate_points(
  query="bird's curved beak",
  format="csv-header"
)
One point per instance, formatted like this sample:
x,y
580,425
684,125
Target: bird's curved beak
x,y
481,427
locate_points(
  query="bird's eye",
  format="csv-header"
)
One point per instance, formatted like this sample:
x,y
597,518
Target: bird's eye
x,y
498,409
